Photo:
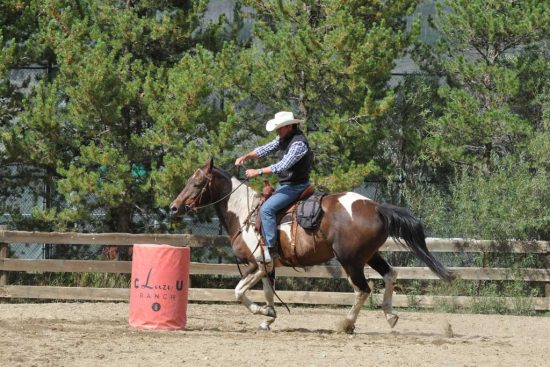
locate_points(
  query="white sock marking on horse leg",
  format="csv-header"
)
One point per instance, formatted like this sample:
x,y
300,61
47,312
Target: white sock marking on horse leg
x,y
348,199
387,303
348,325
270,304
360,298
268,292
244,285
240,291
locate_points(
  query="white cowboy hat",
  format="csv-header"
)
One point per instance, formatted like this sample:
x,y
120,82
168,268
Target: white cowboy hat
x,y
281,119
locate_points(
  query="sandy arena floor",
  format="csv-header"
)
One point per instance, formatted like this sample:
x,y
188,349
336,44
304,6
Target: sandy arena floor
x,y
97,334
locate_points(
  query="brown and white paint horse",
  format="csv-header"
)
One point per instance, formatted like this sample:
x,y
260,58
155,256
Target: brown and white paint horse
x,y
352,230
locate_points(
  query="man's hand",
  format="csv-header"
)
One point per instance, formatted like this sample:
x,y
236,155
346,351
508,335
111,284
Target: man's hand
x,y
239,161
252,172
250,155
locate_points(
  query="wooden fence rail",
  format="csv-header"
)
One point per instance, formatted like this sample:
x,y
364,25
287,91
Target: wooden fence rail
x,y
321,271
125,239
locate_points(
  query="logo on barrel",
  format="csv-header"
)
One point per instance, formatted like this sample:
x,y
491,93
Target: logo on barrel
x,y
158,291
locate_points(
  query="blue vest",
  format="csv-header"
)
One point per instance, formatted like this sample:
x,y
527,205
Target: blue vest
x,y
299,172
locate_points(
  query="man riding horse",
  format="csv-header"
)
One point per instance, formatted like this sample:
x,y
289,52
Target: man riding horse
x,y
352,229
295,163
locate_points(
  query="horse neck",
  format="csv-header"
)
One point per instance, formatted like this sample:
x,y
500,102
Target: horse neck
x,y
241,202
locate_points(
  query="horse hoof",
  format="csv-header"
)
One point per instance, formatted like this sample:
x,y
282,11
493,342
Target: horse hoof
x,y
346,326
268,311
264,326
349,329
392,320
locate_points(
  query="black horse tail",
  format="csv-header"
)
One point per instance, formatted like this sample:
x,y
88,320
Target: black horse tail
x,y
401,225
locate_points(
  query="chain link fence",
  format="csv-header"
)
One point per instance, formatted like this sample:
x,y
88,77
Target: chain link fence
x,y
29,200
26,202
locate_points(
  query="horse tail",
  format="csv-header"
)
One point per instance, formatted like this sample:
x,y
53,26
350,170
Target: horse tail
x,y
401,225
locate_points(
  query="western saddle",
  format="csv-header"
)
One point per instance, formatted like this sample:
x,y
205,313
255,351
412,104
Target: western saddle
x,y
290,210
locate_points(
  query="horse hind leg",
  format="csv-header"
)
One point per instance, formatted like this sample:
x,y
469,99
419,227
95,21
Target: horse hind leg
x,y
357,279
378,263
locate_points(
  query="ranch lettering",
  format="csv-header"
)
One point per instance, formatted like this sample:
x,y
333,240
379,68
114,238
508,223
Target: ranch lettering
x,y
163,287
165,296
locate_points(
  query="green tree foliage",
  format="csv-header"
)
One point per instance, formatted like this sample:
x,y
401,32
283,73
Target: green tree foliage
x,y
16,32
330,62
512,203
137,94
8,107
415,104
93,126
486,53
487,141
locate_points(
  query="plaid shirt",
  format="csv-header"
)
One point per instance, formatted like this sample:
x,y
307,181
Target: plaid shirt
x,y
295,152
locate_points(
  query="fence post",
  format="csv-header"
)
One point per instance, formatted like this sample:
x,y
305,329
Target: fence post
x,y
4,253
547,285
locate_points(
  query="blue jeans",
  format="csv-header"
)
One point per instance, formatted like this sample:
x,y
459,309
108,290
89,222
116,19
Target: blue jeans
x,y
281,198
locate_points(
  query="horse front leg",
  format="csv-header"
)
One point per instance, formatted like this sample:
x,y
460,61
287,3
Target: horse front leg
x,y
269,308
246,283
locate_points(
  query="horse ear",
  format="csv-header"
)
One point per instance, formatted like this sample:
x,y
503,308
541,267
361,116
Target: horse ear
x,y
209,165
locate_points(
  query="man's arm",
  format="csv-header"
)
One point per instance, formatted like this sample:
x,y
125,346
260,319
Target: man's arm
x,y
259,152
250,155
296,151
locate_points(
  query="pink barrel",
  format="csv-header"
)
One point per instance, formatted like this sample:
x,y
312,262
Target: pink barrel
x,y
159,287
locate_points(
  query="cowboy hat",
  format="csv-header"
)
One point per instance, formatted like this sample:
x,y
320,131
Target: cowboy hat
x,y
281,119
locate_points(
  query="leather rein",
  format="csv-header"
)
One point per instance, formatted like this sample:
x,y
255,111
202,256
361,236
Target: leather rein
x,y
207,186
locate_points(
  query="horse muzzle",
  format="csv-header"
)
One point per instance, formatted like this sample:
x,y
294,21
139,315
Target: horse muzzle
x,y
178,211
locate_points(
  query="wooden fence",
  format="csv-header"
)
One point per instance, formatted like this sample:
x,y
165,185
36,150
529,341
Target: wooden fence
x,y
324,271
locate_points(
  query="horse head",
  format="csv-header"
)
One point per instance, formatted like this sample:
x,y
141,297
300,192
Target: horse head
x,y
197,192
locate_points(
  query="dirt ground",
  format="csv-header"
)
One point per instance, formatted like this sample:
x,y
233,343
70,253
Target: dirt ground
x,y
97,334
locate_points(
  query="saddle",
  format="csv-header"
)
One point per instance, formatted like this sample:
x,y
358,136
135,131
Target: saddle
x,y
268,190
305,211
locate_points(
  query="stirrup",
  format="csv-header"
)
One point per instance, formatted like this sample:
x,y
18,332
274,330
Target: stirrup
x,y
264,256
273,252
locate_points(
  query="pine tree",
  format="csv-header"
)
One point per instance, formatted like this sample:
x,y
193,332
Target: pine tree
x,y
482,54
17,32
95,127
329,62
488,135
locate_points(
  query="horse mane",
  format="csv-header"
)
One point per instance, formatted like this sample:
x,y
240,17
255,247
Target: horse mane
x,y
222,172
238,202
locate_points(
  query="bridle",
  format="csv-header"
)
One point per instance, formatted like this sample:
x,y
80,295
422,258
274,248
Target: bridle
x,y
207,186
194,205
